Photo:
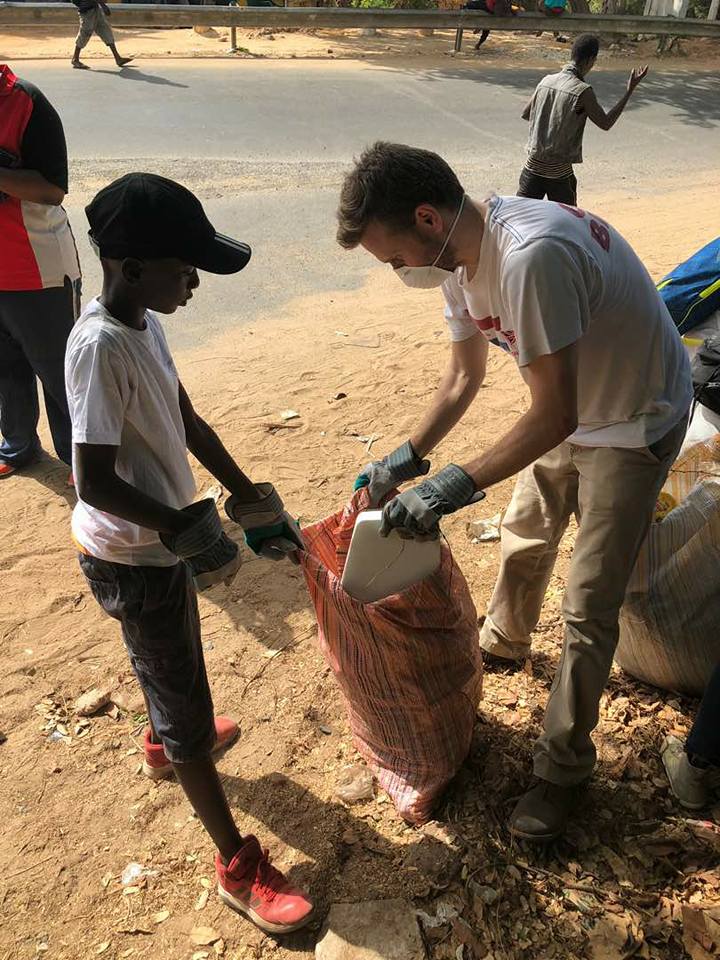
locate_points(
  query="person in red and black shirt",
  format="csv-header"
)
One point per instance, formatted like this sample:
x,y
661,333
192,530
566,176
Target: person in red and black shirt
x,y
39,273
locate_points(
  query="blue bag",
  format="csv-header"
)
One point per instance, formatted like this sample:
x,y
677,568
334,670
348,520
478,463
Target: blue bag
x,y
692,291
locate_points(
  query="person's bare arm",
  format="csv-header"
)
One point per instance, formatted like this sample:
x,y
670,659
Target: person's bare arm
x,y
589,102
31,186
552,417
206,446
457,389
99,486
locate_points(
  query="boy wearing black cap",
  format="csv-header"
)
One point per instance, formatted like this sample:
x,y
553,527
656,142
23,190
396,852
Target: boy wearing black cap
x,y
142,540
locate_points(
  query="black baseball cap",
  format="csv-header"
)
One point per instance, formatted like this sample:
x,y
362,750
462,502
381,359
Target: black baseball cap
x,y
149,217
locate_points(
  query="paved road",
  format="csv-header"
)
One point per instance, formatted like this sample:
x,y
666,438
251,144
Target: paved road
x,y
265,145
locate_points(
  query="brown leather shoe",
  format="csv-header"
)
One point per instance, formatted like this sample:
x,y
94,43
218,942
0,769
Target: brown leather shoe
x,y
542,813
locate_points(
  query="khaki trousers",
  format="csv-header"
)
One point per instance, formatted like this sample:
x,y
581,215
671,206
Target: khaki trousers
x,y
94,21
612,492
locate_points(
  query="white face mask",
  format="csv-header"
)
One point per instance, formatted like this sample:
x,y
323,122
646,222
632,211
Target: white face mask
x,y
424,278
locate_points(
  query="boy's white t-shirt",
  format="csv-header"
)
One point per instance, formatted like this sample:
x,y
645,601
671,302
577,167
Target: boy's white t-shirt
x,y
550,275
123,390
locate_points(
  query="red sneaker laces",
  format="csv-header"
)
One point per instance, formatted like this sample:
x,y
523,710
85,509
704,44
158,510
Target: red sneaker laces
x,y
267,875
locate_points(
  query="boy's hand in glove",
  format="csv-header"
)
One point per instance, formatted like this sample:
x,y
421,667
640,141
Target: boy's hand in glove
x,y
211,555
269,530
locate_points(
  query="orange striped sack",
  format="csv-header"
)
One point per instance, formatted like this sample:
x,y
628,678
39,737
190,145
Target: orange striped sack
x,y
409,666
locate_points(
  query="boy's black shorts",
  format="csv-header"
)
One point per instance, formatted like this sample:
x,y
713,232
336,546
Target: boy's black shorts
x,y
158,612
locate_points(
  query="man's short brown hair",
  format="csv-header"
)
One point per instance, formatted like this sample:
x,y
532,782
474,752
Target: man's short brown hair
x,y
388,183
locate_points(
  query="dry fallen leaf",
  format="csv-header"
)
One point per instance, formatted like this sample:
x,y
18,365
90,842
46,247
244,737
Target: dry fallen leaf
x,y
616,863
582,901
611,938
161,916
202,900
701,930
102,947
706,832
204,936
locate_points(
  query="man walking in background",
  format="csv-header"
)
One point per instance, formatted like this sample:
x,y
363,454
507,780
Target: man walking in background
x,y
557,112
93,19
39,273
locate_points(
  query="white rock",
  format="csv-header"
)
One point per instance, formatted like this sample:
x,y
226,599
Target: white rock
x,y
375,930
91,702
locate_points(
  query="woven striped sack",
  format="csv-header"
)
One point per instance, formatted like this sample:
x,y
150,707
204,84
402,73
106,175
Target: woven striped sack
x,y
409,666
670,621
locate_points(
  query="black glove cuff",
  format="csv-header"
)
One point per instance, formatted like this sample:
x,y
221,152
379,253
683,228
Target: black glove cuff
x,y
405,464
201,535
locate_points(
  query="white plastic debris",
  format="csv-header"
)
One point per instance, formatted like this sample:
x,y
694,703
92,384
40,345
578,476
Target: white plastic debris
x,y
445,913
133,872
485,531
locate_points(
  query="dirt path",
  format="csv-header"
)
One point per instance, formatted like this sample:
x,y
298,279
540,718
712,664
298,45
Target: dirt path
x,y
75,810
402,48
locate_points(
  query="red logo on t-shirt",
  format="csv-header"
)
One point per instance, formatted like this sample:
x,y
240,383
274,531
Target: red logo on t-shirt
x,y
509,340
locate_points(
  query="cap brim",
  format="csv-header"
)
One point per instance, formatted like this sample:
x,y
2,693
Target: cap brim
x,y
223,255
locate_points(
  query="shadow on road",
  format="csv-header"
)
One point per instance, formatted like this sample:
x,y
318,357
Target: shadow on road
x,y
693,97
133,73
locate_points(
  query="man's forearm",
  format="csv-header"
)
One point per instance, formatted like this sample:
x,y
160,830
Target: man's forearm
x,y
613,114
113,495
454,396
31,186
208,448
532,436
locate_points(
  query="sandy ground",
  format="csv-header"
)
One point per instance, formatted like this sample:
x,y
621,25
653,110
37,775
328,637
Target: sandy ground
x,y
501,49
76,811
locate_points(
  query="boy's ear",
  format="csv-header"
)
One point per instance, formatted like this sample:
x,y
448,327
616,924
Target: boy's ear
x,y
132,270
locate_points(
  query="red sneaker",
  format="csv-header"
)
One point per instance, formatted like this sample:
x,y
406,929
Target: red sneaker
x,y
253,887
157,766
6,470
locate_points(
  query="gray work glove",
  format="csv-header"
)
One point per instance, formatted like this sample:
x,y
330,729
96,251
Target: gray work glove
x,y
269,530
384,475
416,513
209,553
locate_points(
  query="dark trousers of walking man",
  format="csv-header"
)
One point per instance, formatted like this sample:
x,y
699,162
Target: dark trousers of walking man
x,y
34,327
39,274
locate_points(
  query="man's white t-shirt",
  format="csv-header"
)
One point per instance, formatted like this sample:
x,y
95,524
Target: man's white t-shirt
x,y
122,389
550,275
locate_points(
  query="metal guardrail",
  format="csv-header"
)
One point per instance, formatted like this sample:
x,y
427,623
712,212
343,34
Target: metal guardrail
x,y
340,18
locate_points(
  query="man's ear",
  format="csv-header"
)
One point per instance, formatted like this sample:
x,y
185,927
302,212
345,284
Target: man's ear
x,y
132,270
426,216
